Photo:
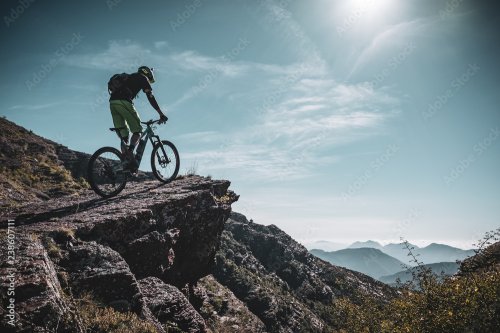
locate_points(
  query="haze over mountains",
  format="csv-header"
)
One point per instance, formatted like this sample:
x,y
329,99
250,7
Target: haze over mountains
x,y
369,261
390,262
429,254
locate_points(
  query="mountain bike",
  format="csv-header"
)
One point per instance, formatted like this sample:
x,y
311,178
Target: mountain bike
x,y
109,170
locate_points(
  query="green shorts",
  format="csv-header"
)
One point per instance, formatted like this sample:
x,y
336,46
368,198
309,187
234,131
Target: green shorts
x,y
125,116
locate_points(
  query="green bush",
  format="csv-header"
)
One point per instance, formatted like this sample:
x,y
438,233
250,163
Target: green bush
x,y
467,302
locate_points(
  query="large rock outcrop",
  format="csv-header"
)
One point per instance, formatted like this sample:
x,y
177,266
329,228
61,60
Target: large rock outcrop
x,y
170,306
72,247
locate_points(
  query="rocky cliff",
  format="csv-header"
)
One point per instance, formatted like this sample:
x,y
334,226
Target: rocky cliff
x,y
170,257
289,289
133,254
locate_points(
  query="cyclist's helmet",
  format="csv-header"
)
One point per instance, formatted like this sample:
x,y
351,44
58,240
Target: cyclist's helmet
x,y
147,72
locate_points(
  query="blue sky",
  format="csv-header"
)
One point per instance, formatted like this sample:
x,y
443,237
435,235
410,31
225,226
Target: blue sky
x,y
335,120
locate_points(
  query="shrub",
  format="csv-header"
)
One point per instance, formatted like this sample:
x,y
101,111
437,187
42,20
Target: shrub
x,y
466,302
97,319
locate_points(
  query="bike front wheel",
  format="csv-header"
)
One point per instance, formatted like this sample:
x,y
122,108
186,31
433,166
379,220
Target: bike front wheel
x,y
165,161
105,172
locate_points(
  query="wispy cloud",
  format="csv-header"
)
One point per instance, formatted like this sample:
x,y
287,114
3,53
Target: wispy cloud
x,y
117,55
389,39
123,53
161,44
286,138
193,61
204,136
261,161
298,108
35,107
342,108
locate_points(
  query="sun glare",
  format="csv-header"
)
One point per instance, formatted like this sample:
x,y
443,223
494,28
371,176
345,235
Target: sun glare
x,y
371,7
364,13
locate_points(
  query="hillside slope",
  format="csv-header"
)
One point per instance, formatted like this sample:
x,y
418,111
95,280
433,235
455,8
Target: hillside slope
x,y
33,169
282,283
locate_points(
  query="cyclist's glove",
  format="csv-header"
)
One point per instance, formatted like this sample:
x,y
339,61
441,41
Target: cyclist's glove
x,y
163,119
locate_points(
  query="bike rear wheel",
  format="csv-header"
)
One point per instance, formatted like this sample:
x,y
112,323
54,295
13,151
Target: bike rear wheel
x,y
165,161
106,173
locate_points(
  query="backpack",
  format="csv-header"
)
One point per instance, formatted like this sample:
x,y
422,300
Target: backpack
x,y
117,82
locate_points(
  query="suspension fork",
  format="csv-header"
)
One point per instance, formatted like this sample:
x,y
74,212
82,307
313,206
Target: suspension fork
x,y
158,141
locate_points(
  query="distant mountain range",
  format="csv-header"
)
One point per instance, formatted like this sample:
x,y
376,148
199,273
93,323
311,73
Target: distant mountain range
x,y
369,261
430,254
389,262
370,243
433,253
446,268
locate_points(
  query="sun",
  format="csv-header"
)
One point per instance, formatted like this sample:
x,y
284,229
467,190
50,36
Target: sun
x,y
371,8
363,15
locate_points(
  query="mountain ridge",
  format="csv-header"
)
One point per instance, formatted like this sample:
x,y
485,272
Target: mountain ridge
x,y
432,253
370,261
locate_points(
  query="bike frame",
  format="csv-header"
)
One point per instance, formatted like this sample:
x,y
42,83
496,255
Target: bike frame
x,y
147,135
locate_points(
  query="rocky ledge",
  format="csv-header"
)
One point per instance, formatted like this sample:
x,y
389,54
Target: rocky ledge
x,y
132,255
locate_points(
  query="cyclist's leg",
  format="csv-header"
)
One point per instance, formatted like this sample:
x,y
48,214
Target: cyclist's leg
x,y
119,119
119,122
131,118
134,122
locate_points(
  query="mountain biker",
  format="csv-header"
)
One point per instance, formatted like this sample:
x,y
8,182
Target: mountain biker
x,y
123,88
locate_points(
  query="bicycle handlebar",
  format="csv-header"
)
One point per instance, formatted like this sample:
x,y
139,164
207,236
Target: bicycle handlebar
x,y
151,122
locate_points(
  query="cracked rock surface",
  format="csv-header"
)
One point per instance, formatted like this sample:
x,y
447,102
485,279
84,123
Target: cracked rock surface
x,y
165,236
